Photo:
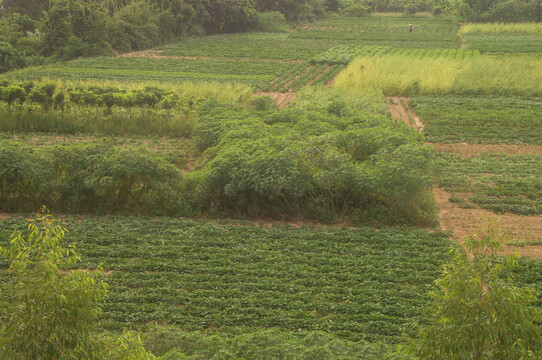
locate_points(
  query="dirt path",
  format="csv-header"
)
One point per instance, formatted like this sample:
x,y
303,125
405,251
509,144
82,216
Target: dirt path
x,y
400,109
467,150
463,42
281,99
464,222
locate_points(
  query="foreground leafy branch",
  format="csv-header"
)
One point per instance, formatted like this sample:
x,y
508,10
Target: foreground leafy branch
x,y
476,311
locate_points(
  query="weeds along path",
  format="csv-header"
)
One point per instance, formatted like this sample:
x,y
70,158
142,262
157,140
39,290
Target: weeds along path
x,y
400,109
524,232
281,99
463,41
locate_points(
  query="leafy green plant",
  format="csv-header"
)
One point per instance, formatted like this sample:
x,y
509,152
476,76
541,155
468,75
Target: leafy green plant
x,y
48,312
476,311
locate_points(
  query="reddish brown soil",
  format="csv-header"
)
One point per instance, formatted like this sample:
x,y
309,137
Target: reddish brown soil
x,y
467,150
319,75
467,222
398,111
281,99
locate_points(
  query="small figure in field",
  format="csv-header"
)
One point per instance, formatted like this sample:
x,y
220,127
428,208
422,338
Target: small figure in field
x,y
410,27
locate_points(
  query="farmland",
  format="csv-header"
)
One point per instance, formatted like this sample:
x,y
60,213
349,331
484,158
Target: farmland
x,y
228,224
202,275
482,119
501,38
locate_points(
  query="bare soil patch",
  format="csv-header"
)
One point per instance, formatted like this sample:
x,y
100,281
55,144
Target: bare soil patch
x,y
404,112
281,99
4,216
319,75
467,150
466,222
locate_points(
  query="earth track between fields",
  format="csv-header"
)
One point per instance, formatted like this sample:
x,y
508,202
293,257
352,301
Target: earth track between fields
x,y
463,222
463,41
281,99
157,54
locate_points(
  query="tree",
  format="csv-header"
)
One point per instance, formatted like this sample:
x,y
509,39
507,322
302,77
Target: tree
x,y
476,311
48,312
73,28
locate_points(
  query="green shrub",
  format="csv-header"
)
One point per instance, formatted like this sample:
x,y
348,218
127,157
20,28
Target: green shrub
x,y
271,21
88,178
476,311
324,164
47,312
356,10
25,177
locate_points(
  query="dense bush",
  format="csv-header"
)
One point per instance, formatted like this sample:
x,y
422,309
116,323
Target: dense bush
x,y
47,312
331,164
271,21
87,178
356,10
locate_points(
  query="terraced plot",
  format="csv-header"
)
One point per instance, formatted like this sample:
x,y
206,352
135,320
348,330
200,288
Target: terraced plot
x,y
357,284
385,31
480,119
505,43
501,183
132,69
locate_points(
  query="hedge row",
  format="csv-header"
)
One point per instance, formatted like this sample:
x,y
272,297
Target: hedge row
x,y
87,178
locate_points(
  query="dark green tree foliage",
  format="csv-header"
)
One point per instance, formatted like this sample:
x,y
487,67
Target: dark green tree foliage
x,y
395,5
500,10
295,10
10,57
32,8
74,28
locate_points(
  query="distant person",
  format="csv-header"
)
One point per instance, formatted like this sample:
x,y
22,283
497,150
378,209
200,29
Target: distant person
x,y
410,27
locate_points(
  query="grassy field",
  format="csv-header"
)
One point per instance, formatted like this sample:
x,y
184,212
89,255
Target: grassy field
x,y
399,75
480,119
504,43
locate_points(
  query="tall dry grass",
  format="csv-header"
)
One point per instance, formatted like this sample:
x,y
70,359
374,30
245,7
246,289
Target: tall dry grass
x,y
502,28
399,75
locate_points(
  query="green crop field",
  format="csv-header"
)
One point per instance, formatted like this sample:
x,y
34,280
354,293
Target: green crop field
x,y
385,31
480,119
357,284
499,183
504,43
